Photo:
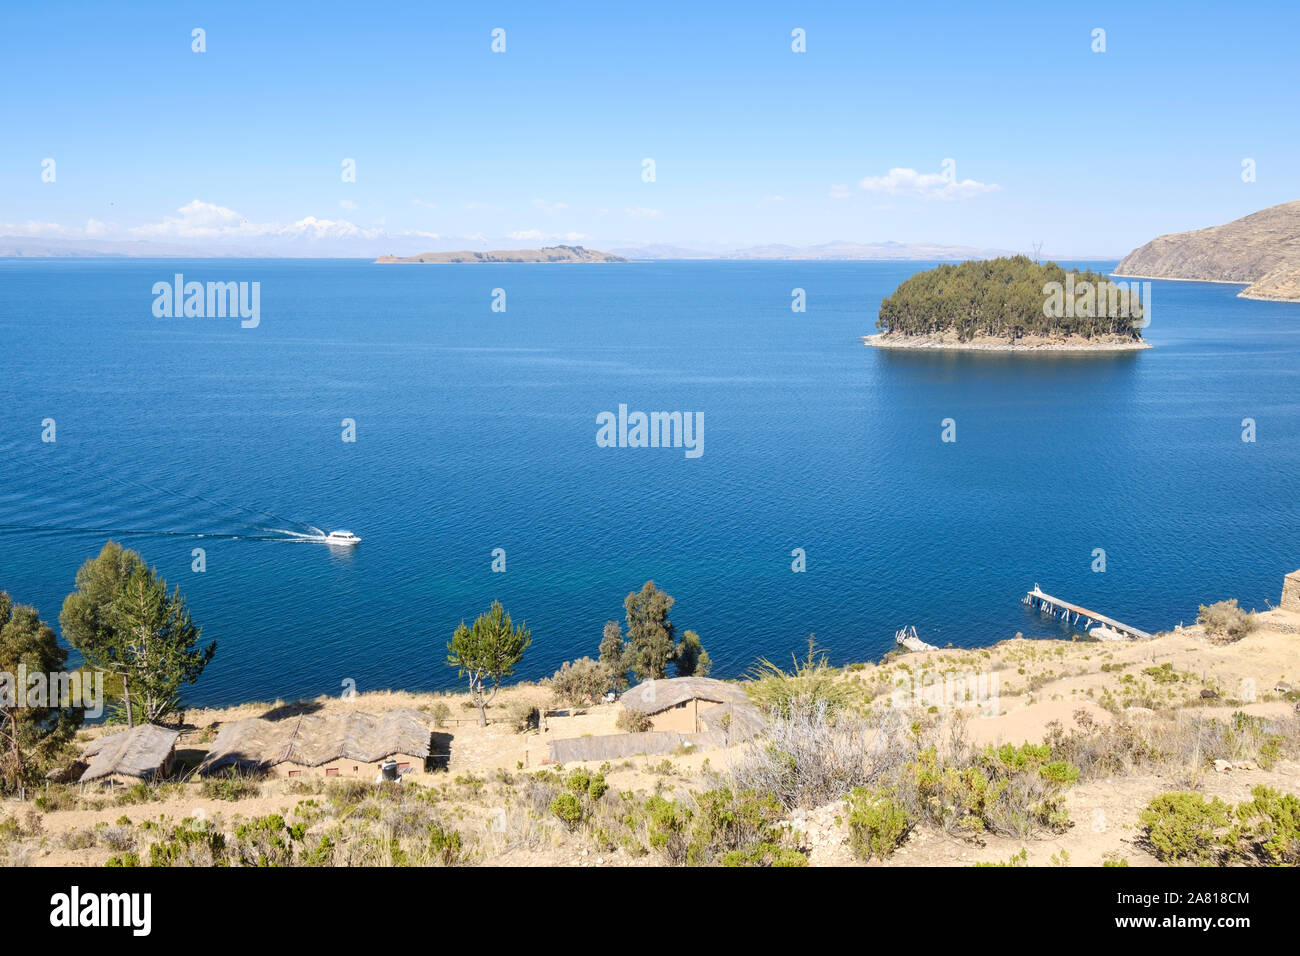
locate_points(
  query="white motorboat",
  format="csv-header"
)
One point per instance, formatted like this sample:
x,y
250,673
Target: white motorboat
x,y
342,538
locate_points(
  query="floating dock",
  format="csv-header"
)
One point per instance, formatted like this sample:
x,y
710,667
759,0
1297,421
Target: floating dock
x,y
907,638
1079,616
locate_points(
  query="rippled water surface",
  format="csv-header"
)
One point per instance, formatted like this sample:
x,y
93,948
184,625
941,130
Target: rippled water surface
x,y
476,430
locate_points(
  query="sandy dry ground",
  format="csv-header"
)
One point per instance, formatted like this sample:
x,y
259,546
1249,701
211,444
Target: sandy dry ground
x,y
1039,683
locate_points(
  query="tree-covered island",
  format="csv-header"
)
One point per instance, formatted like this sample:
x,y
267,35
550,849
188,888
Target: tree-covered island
x,y
1013,303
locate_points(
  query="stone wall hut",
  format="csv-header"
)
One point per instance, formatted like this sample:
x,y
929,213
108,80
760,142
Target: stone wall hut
x,y
145,752
343,745
1291,591
694,705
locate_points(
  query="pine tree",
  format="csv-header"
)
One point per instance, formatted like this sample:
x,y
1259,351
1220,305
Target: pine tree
x,y
487,652
124,622
32,733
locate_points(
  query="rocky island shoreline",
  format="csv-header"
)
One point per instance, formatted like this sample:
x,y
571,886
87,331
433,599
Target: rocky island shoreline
x,y
989,343
1013,305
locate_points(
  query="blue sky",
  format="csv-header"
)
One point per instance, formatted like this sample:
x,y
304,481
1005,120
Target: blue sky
x,y
1090,153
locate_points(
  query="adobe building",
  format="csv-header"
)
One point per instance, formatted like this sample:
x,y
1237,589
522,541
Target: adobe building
x,y
344,745
692,705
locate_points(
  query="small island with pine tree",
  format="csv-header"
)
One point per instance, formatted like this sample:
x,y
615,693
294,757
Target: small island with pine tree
x,y
1012,304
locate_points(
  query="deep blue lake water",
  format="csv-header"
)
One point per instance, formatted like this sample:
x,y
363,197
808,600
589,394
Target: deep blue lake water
x,y
476,430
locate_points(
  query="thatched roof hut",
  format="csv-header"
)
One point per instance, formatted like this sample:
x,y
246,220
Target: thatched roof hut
x,y
143,752
654,696
255,743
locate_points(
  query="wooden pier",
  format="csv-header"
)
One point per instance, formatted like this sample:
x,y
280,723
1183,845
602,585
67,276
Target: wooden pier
x,y
1081,617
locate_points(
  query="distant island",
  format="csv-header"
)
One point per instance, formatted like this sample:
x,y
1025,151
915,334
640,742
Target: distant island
x,y
1011,304
549,254
1260,251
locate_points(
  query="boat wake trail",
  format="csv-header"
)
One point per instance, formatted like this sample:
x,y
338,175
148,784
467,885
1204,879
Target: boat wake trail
x,y
316,534
289,536
91,472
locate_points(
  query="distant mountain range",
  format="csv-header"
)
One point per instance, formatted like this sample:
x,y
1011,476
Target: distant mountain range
x,y
412,248
836,250
1261,251
545,254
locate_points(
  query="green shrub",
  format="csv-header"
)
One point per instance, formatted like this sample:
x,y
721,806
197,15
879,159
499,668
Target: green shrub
x,y
878,824
812,682
1009,790
666,828
724,827
577,782
445,846
1224,622
441,714
764,854
568,809
581,682
79,839
1186,828
1164,674
234,786
189,843
56,798
1271,826
1060,772
523,716
267,841
633,721
1018,860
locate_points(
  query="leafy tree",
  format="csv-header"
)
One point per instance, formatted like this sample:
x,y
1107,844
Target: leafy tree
x,y
161,643
614,655
124,622
31,737
649,632
651,641
488,651
692,659
581,682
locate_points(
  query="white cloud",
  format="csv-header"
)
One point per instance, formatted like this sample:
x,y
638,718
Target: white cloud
x,y
550,208
773,199
200,220
421,202
33,228
641,212
840,191
347,204
908,182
